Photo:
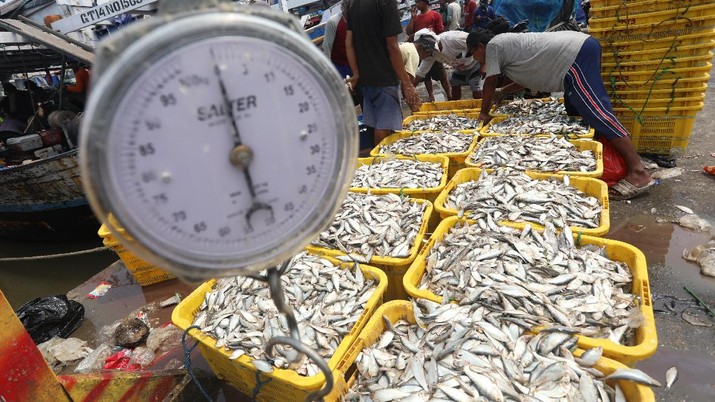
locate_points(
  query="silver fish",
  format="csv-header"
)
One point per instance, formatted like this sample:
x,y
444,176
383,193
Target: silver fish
x,y
398,173
542,154
534,125
670,377
527,107
430,143
451,122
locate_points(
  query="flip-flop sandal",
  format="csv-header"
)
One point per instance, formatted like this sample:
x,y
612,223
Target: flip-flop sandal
x,y
624,190
661,160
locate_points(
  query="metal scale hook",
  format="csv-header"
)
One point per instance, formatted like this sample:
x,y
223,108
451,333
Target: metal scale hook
x,y
273,276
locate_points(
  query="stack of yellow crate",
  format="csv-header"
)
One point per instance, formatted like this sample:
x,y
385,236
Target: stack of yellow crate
x,y
655,65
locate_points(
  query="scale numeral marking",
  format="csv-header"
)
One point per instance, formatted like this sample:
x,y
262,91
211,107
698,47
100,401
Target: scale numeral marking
x,y
311,170
167,100
200,227
303,189
179,216
161,198
314,149
303,107
312,127
224,231
146,149
288,90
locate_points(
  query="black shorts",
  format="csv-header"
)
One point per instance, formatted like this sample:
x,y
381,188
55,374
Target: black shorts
x,y
437,72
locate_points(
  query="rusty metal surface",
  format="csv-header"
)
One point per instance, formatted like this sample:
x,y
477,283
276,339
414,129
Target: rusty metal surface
x,y
25,375
49,183
47,39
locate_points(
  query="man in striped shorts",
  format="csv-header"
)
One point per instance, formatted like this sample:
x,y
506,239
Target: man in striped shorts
x,y
565,61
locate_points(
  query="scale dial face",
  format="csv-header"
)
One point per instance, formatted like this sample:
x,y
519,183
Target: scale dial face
x,y
224,153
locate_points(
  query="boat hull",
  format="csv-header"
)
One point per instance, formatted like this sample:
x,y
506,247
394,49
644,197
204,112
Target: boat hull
x,y
44,201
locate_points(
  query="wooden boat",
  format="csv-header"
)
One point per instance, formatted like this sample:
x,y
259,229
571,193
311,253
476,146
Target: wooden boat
x,y
43,200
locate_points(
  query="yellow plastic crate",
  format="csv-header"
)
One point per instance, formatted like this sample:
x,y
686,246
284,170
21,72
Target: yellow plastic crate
x,y
682,14
666,82
394,268
611,53
613,8
656,76
655,26
592,187
143,272
653,102
571,136
582,145
285,385
657,64
452,106
402,310
472,114
668,94
658,133
456,159
429,194
698,38
646,341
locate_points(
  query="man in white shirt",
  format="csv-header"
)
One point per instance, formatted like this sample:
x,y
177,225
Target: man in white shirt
x,y
449,47
454,16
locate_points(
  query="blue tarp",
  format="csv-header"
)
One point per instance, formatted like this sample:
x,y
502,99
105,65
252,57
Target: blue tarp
x,y
540,13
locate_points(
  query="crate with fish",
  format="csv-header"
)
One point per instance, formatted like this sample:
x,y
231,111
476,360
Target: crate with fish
x,y
611,52
596,288
454,145
518,198
545,107
672,93
620,8
449,120
552,154
420,176
650,30
426,351
385,231
652,102
569,127
657,132
237,317
143,272
654,17
465,105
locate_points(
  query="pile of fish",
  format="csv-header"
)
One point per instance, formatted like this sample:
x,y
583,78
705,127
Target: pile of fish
x,y
532,279
450,122
528,107
430,143
459,353
398,173
532,125
374,225
327,301
543,154
511,195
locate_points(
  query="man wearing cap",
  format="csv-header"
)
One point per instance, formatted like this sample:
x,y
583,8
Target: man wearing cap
x,y
554,62
449,48
425,18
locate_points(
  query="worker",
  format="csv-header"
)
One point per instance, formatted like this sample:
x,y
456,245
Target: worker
x,y
568,62
483,14
454,16
449,47
334,43
77,92
424,18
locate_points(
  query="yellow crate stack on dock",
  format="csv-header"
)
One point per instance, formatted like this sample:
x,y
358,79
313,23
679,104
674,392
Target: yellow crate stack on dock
x,y
655,65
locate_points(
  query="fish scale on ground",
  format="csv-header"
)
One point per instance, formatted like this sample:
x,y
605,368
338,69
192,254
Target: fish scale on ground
x,y
240,314
543,154
398,173
430,143
443,122
374,225
535,279
527,107
511,195
538,124
461,353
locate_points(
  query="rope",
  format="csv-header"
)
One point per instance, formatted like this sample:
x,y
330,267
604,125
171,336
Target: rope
x,y
187,362
50,256
259,385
